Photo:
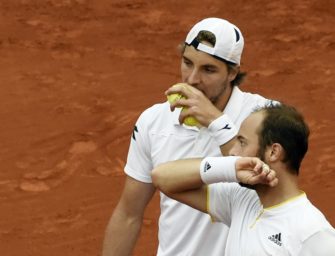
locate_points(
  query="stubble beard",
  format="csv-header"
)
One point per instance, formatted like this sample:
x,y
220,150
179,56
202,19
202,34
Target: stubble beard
x,y
221,94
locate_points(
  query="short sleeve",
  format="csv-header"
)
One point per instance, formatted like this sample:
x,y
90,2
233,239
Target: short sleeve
x,y
226,201
219,205
139,163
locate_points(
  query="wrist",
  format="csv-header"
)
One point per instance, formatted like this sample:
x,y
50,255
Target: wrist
x,y
222,129
218,169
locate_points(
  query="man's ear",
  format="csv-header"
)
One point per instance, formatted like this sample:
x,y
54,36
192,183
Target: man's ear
x,y
233,71
275,152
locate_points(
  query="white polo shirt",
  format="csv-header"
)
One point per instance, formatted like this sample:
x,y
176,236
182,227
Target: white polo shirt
x,y
157,138
287,229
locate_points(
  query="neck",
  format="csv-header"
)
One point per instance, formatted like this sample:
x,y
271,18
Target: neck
x,y
287,188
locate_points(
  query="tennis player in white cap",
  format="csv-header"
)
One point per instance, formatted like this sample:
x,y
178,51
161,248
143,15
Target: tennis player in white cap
x,y
210,79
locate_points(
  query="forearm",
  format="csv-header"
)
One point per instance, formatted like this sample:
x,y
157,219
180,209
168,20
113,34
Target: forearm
x,y
178,176
184,180
188,174
121,235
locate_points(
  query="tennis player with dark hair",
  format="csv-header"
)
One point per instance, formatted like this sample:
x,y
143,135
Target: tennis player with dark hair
x,y
257,197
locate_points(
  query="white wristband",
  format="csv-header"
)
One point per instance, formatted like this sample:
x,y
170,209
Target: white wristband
x,y
222,129
218,169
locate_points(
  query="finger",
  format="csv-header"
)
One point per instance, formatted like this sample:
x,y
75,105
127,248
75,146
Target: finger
x,y
260,173
273,182
271,179
185,113
179,103
182,102
252,164
181,88
265,169
271,175
257,163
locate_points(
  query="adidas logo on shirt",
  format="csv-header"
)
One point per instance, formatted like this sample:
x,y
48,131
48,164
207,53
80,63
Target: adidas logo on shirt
x,y
207,167
276,239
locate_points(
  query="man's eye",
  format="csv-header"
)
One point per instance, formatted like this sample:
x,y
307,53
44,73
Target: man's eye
x,y
209,70
187,63
242,143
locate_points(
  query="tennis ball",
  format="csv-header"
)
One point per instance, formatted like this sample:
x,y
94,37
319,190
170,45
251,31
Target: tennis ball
x,y
190,120
175,96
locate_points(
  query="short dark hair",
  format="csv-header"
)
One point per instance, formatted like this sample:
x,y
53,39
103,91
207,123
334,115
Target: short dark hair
x,y
283,124
207,36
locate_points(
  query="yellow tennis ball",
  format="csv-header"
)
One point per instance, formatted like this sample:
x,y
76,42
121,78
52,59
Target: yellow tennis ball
x,y
174,97
190,120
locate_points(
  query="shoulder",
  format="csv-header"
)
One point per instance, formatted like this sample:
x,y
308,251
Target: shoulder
x,y
157,114
242,104
317,219
156,110
311,221
256,99
321,243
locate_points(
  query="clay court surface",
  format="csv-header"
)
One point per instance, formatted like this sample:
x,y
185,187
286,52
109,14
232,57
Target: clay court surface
x,y
75,75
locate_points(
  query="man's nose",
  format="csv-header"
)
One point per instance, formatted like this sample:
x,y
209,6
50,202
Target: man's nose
x,y
233,151
194,77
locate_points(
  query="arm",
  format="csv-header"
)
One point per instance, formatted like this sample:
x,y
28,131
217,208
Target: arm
x,y
181,181
125,224
185,180
321,244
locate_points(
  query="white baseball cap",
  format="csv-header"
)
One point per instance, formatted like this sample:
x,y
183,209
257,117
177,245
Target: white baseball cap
x,y
229,40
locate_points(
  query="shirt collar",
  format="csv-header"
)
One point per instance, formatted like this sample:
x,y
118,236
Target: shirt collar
x,y
287,204
235,104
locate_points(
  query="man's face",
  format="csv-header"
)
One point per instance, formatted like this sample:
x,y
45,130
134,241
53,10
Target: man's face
x,y
207,74
246,142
